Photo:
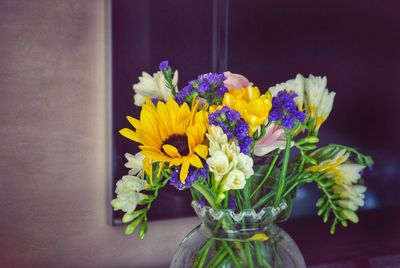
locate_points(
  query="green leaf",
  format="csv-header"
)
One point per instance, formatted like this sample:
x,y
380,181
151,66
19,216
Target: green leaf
x,y
309,139
150,198
309,159
131,227
326,216
263,200
320,201
333,226
350,215
143,230
128,217
308,147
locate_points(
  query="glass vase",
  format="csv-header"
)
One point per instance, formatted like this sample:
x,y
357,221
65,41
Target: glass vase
x,y
245,239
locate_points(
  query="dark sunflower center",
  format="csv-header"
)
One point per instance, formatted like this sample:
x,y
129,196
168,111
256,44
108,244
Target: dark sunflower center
x,y
180,142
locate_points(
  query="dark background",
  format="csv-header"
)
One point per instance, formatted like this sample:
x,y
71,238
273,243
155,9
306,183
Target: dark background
x,y
356,44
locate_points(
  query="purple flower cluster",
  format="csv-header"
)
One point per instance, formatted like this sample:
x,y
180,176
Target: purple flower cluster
x,y
193,175
233,126
207,86
284,110
164,65
232,203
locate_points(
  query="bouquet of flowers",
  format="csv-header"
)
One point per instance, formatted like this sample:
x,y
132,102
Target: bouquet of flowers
x,y
234,147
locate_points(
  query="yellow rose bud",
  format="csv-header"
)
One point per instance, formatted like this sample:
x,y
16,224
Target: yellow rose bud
x,y
253,107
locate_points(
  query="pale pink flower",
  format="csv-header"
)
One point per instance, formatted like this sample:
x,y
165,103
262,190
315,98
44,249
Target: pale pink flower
x,y
235,81
274,138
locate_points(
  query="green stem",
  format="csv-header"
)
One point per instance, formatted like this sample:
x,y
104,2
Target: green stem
x,y
299,182
219,256
282,178
239,200
267,174
246,193
249,255
258,253
201,256
208,195
231,254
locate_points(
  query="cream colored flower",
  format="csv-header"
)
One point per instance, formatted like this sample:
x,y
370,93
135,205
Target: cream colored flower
x,y
128,193
135,164
229,166
314,88
295,85
345,175
245,164
330,165
219,163
152,87
324,108
216,138
234,180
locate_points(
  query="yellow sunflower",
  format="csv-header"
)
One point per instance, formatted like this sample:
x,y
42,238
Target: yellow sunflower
x,y
169,133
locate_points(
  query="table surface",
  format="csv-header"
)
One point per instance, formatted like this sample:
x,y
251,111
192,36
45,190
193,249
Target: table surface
x,y
374,242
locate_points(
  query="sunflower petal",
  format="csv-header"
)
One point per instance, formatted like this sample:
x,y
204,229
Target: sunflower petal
x,y
184,170
171,150
130,134
194,160
134,122
156,157
201,150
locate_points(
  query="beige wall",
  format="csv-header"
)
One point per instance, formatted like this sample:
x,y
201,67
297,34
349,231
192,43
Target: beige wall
x,y
53,143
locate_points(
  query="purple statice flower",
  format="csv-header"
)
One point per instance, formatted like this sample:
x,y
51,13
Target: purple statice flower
x,y
155,101
186,94
209,87
242,130
202,202
284,110
244,145
232,203
233,126
193,175
163,65
221,91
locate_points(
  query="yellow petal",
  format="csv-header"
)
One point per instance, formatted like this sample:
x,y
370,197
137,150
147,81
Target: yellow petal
x,y
130,134
171,150
134,122
150,124
156,157
259,237
184,170
201,150
195,161
252,93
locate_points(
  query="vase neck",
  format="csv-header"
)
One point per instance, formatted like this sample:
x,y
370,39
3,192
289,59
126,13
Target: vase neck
x,y
246,224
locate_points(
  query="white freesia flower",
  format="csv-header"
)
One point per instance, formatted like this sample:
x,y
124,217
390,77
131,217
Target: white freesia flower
x,y
234,180
314,87
324,108
245,164
153,87
230,167
345,175
218,163
232,151
135,164
216,138
295,85
128,193
348,172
